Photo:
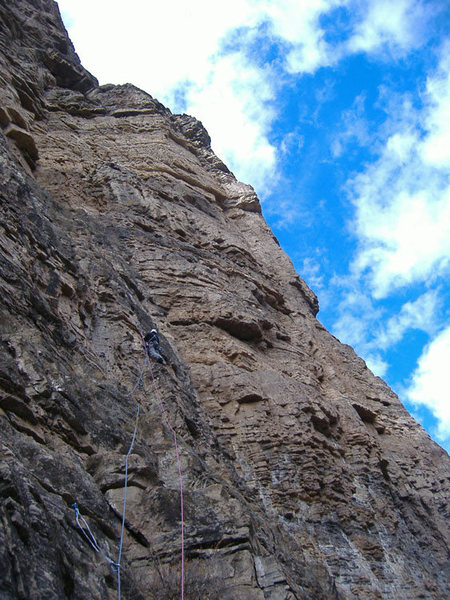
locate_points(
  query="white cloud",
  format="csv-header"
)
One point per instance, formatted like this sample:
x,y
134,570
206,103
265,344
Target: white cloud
x,y
362,324
419,314
435,149
380,27
357,314
351,329
392,27
376,364
430,382
406,241
310,271
354,127
402,200
175,51
240,132
292,142
298,23
376,27
152,44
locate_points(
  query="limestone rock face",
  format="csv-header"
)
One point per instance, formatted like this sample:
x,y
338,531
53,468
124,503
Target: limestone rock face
x,y
303,475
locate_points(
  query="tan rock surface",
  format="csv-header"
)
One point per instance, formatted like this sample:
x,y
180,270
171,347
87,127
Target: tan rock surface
x,y
304,476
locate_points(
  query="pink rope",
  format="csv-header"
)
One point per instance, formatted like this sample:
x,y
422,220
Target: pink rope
x,y
180,476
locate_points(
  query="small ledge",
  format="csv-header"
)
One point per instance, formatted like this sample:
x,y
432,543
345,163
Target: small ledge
x,y
367,415
133,112
250,399
241,330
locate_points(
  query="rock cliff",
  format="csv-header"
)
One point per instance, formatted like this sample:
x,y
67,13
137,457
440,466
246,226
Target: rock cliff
x,y
303,475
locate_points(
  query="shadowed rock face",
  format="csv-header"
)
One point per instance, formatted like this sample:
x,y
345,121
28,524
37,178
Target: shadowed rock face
x,y
304,476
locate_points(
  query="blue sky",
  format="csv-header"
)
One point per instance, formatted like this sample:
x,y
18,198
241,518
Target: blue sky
x,y
338,113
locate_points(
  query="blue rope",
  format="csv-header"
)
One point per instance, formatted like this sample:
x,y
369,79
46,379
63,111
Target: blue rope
x,y
86,530
125,499
139,379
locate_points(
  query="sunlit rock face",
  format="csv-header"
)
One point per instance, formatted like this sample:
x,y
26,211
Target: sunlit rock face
x,y
304,476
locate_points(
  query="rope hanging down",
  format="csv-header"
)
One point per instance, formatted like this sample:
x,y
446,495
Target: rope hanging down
x,y
180,475
125,501
86,531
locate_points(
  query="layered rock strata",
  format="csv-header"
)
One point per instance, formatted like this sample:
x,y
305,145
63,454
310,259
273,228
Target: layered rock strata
x,y
304,476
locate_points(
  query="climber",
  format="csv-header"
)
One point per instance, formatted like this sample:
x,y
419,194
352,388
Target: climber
x,y
152,346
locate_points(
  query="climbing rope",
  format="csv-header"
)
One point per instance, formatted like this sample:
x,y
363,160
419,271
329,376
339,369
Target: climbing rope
x,y
180,475
122,529
125,500
138,380
86,530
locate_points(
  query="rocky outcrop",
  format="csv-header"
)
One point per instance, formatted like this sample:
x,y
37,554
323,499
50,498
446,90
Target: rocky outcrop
x,y
304,476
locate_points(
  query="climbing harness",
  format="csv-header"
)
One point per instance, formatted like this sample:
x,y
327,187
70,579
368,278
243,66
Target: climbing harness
x,y
82,523
151,341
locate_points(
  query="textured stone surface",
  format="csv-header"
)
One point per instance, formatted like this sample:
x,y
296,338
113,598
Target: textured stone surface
x,y
304,477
